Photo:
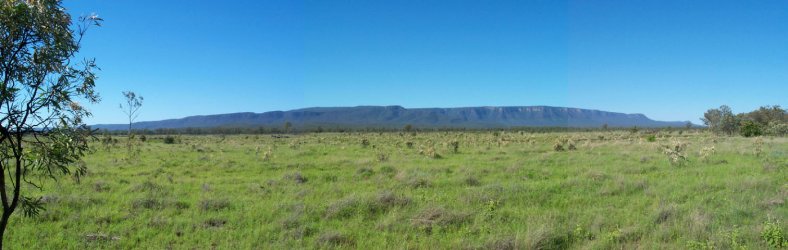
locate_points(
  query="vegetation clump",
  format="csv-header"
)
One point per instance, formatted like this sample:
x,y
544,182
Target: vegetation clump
x,y
706,153
773,234
169,139
431,217
455,146
675,153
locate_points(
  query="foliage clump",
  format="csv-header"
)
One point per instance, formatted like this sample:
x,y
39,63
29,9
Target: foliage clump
x,y
563,144
169,139
432,217
706,153
455,146
675,153
773,234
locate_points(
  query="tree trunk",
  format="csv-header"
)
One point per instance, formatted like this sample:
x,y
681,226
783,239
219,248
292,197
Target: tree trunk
x,y
3,224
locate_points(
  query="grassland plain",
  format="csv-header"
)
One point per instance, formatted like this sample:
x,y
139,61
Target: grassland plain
x,y
499,190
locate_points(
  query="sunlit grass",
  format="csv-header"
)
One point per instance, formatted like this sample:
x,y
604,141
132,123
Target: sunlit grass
x,y
504,191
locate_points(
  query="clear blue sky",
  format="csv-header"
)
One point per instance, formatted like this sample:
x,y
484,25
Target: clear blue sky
x,y
670,60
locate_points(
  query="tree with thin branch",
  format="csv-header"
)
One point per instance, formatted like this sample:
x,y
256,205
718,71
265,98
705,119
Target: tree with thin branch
x,y
42,133
132,108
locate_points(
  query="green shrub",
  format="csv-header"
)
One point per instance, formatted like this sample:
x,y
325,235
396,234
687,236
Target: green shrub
x,y
455,146
750,129
772,233
777,129
169,139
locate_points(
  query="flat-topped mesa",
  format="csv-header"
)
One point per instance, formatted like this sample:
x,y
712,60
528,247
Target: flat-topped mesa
x,y
398,116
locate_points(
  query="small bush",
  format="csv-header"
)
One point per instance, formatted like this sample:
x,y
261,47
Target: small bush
x,y
706,153
296,177
214,205
147,203
472,181
507,243
431,153
169,139
773,234
777,129
675,153
382,157
334,239
431,217
100,186
365,172
571,145
750,129
100,237
386,200
455,146
388,170
343,208
558,146
758,150
215,222
651,138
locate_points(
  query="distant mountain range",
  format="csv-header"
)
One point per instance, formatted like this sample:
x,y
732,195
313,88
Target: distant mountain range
x,y
397,117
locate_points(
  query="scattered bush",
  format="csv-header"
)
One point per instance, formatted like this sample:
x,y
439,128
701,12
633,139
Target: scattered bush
x,y
777,129
758,146
706,153
431,153
214,222
431,217
455,146
750,129
101,237
296,177
472,181
558,146
214,204
386,200
333,239
342,208
368,205
507,243
147,203
169,139
675,153
382,157
773,234
365,172
571,145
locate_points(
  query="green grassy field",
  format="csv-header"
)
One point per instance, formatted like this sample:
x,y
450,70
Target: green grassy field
x,y
412,191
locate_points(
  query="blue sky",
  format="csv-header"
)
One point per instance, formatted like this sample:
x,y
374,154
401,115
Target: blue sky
x,y
670,60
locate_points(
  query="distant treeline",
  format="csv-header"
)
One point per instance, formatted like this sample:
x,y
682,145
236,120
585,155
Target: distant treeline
x,y
407,129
